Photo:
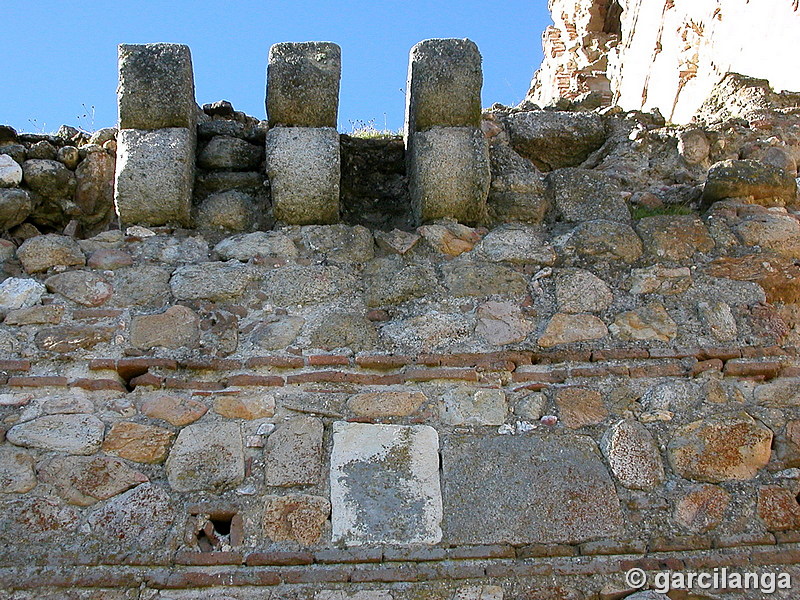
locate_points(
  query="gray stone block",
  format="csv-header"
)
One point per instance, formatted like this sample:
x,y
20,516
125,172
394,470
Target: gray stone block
x,y
449,174
208,456
156,86
304,166
155,176
583,195
555,489
444,85
303,84
385,484
293,454
555,139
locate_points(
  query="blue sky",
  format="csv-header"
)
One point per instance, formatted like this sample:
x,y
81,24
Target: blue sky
x,y
60,56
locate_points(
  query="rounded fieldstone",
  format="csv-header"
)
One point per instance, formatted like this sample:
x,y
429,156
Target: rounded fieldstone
x,y
502,323
693,146
177,327
702,508
650,322
71,337
260,243
141,285
71,434
94,194
16,205
766,184
293,453
49,178
566,328
215,281
296,517
343,330
606,240
83,481
109,259
390,403
83,287
580,291
69,156
466,278
177,411
675,237
10,172
277,332
7,134
42,150
139,443
101,136
227,211
225,152
633,455
517,244
391,281
517,193
39,253
720,448
339,243
142,517
15,151
17,471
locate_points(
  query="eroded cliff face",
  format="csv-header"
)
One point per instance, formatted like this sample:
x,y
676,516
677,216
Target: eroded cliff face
x,y
664,54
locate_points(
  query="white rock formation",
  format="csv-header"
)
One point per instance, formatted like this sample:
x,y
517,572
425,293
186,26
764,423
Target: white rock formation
x,y
665,54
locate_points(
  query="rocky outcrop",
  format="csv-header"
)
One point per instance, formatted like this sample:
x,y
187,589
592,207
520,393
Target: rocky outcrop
x,y
666,55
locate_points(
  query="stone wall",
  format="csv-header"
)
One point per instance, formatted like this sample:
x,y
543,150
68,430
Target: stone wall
x,y
666,55
598,372
51,182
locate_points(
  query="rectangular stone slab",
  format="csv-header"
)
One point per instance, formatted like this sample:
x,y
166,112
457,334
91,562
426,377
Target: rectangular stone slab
x,y
385,484
303,84
304,168
156,86
155,176
444,85
449,174
526,489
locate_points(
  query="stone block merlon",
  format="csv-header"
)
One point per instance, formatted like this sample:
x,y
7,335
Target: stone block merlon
x,y
303,159
444,85
154,176
303,84
156,86
446,152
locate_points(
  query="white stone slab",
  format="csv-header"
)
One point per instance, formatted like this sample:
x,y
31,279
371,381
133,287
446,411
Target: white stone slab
x,y
385,484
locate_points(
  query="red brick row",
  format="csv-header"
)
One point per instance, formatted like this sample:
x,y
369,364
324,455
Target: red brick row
x,y
501,359
409,565
15,365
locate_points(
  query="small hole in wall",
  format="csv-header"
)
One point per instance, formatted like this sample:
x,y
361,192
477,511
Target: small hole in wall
x,y
222,525
797,498
217,531
129,373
